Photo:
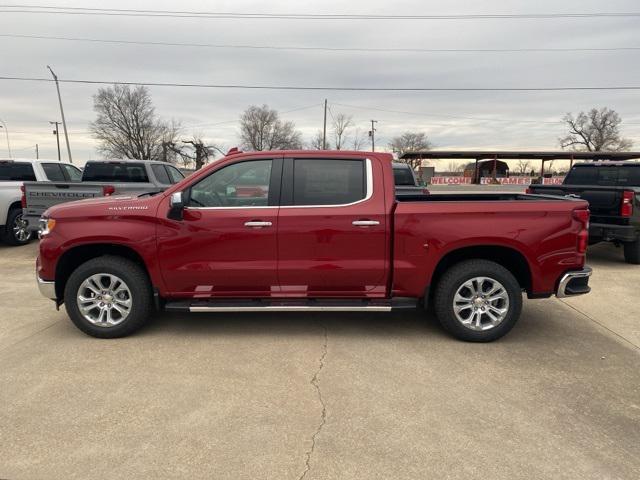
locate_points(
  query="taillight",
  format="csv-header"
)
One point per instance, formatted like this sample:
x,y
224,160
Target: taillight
x,y
108,190
528,191
23,199
626,207
583,236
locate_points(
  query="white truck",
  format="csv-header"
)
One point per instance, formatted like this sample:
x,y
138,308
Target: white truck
x,y
99,178
13,173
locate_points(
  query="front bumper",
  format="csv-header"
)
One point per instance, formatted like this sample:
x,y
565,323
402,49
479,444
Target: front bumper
x,y
575,282
47,288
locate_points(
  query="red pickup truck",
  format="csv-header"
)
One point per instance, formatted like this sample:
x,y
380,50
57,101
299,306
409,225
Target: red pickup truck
x,y
324,232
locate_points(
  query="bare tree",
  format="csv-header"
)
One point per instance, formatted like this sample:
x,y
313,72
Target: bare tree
x,y
127,125
410,142
340,124
523,167
316,142
262,129
594,131
454,167
359,139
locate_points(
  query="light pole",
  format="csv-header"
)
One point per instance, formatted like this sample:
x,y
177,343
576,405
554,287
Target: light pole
x,y
6,132
64,123
57,134
372,134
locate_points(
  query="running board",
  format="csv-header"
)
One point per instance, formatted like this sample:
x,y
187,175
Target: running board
x,y
292,305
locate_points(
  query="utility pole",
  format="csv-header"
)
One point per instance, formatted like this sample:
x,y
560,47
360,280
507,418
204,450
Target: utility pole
x,y
64,122
372,134
324,128
37,153
6,132
57,134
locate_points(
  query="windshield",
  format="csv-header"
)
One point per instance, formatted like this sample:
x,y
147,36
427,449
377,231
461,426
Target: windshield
x,y
605,176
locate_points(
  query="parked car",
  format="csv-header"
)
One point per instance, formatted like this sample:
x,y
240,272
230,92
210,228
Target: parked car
x,y
13,228
613,192
406,180
329,233
99,178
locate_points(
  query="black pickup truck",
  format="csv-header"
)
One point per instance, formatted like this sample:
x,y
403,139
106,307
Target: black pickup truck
x,y
613,192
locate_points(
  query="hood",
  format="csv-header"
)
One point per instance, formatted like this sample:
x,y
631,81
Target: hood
x,y
112,205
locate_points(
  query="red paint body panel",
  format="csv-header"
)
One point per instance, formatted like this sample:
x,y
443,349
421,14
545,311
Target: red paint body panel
x,y
314,251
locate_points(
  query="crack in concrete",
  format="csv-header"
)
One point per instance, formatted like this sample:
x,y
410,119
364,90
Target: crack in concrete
x,y
323,416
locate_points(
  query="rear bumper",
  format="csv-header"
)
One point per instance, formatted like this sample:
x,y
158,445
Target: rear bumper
x,y
33,222
607,231
47,288
574,283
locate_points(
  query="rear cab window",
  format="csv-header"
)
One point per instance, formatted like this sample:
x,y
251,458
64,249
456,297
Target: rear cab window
x,y
318,182
402,176
117,172
605,175
16,172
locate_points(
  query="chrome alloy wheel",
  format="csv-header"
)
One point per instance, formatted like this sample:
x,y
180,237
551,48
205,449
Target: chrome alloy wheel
x,y
481,303
104,300
20,231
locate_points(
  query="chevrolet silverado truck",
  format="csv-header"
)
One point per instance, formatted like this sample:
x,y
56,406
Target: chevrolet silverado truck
x,y
613,192
99,178
324,231
13,227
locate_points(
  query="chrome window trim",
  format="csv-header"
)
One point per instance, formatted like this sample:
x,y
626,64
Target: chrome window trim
x,y
369,194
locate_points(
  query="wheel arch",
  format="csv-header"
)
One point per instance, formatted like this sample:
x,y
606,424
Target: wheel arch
x,y
76,256
508,257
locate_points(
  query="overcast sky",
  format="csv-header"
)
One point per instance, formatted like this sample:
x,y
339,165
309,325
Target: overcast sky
x,y
501,120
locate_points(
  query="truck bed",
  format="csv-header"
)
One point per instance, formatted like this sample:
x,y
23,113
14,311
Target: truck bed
x,y
478,197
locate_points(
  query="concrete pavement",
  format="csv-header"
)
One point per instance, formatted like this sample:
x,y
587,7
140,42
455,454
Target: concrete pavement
x,y
273,396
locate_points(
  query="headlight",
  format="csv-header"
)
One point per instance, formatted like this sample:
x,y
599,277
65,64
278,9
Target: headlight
x,y
46,225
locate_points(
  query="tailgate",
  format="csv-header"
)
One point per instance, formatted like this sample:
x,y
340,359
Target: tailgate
x,y
42,195
603,201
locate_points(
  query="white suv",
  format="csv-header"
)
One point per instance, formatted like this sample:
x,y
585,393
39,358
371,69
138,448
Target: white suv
x,y
13,229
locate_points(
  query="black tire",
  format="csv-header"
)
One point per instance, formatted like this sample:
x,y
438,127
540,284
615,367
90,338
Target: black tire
x,y
455,278
135,279
14,217
632,252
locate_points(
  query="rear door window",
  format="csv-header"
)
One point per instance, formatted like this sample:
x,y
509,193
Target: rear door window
x,y
328,182
54,172
16,172
117,172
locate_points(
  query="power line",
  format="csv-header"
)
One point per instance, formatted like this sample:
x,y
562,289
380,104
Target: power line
x,y
457,117
323,49
330,88
44,9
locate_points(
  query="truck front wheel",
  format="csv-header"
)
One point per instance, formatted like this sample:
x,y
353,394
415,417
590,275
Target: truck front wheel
x,y
632,252
478,301
108,297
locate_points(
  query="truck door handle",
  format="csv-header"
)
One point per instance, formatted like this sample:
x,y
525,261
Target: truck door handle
x,y
365,223
257,224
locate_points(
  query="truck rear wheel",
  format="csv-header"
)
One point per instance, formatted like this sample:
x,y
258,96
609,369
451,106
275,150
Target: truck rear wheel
x,y
15,231
108,297
632,252
478,301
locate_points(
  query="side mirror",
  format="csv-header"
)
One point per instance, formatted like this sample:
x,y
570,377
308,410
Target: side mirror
x,y
176,206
